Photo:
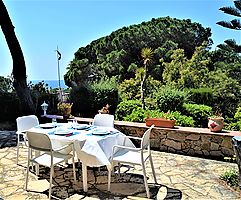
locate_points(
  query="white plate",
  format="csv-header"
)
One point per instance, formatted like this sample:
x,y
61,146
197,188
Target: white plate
x,y
46,125
101,133
80,126
63,133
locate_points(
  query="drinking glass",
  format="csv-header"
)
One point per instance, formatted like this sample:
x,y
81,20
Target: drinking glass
x,y
54,122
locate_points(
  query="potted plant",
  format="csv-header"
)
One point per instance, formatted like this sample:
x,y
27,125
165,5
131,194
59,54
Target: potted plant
x,y
167,121
215,122
64,109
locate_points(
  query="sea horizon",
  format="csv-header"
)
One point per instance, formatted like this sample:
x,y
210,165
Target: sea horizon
x,y
51,83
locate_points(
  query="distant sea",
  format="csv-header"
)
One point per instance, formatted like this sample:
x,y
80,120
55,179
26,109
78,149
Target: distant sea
x,y
51,83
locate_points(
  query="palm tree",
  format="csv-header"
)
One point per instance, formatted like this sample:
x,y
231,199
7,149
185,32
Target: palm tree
x,y
147,56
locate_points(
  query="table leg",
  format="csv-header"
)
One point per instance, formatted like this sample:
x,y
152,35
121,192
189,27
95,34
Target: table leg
x,y
84,175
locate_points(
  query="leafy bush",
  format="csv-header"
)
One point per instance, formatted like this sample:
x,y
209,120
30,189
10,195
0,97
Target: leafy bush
x,y
88,98
104,92
201,96
10,105
237,115
80,96
231,177
137,115
126,107
199,113
233,126
170,99
182,120
40,93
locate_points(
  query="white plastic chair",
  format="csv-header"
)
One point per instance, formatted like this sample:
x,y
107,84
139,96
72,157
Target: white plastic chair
x,y
51,157
134,156
23,124
104,120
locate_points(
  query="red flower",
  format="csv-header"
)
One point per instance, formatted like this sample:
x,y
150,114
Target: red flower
x,y
213,125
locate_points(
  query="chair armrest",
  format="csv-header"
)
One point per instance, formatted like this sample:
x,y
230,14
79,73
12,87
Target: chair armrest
x,y
64,147
125,147
135,138
21,132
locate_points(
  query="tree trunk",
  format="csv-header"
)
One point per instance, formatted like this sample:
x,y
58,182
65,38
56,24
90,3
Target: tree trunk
x,y
19,68
143,81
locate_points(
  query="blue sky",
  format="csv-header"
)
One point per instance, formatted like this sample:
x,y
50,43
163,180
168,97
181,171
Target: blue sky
x,y
42,25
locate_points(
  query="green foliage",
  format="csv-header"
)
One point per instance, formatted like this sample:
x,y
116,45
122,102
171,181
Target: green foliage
x,y
231,177
235,11
112,55
10,106
40,92
182,120
88,98
6,84
237,115
233,126
81,97
187,73
104,92
226,92
130,89
168,98
199,113
137,115
235,123
126,107
201,96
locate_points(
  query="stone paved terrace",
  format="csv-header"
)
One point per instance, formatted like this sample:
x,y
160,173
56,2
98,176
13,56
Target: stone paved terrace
x,y
179,177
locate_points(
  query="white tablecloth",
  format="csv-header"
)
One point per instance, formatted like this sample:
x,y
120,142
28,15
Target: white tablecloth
x,y
92,150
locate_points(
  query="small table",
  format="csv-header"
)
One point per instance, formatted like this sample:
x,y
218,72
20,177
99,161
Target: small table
x,y
93,145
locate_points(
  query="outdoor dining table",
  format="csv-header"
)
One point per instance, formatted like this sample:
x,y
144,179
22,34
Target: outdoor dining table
x,y
93,144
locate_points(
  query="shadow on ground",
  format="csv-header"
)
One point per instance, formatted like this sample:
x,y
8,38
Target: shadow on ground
x,y
127,185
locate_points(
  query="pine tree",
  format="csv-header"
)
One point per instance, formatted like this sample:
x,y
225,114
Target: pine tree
x,y
233,24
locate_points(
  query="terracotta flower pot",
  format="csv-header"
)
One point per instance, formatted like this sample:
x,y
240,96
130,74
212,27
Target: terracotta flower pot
x,y
215,124
160,122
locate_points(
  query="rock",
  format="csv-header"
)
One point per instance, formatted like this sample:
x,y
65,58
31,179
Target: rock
x,y
173,144
193,137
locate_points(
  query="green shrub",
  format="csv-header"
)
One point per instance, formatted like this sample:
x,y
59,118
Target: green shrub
x,y
233,126
199,113
10,106
231,177
104,92
170,99
201,96
137,115
126,107
237,115
182,120
88,98
80,96
40,93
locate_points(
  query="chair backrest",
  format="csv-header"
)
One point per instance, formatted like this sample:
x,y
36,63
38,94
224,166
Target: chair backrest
x,y
26,122
104,120
145,142
39,141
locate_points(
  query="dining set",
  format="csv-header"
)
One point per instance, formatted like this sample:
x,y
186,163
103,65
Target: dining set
x,y
93,145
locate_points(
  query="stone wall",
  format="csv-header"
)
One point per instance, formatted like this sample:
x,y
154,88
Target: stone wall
x,y
188,143
183,140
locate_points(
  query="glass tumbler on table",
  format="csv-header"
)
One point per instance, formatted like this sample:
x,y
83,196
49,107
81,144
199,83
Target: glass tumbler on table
x,y
54,122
